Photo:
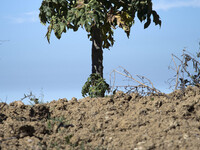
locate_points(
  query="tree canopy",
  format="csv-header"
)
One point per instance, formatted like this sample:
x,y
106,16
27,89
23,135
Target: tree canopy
x,y
106,15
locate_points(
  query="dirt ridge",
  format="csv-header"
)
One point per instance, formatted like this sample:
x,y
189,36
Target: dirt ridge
x,y
119,122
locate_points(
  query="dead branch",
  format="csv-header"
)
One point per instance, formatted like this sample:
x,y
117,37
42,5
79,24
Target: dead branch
x,y
142,86
177,71
192,76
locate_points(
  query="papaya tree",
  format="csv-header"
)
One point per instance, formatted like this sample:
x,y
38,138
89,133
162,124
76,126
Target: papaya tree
x,y
99,18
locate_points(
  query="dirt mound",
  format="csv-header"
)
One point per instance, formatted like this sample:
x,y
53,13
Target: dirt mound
x,y
119,122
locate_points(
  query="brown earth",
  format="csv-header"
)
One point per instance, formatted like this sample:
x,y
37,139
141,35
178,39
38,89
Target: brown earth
x,y
119,122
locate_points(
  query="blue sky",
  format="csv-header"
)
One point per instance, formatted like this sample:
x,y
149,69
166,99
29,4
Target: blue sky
x,y
59,70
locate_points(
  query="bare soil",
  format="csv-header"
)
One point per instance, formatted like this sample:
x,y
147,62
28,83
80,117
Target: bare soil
x,y
119,122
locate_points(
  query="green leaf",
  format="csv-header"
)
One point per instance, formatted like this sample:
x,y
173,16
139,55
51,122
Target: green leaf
x,y
75,28
156,18
95,86
104,14
146,25
48,34
55,1
62,27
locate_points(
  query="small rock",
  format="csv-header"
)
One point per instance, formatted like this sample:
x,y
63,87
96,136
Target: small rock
x,y
119,94
99,125
29,140
127,97
62,100
75,139
134,95
110,139
185,136
158,104
17,103
73,100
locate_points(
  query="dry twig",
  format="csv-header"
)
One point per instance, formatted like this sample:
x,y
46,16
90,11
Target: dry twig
x,y
192,76
142,86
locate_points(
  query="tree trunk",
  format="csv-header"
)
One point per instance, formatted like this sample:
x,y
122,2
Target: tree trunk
x,y
97,52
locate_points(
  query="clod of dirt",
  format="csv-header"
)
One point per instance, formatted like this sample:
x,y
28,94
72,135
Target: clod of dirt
x,y
122,121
